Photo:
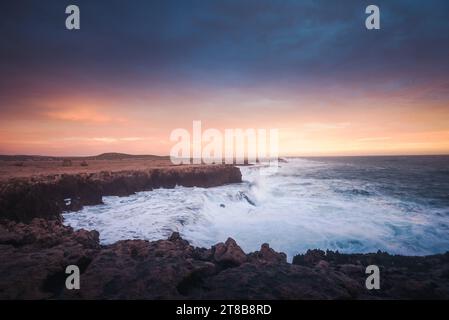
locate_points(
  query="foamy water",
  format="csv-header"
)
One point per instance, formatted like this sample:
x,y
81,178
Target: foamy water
x,y
345,205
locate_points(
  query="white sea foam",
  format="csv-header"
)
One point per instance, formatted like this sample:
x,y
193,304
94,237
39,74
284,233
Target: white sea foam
x,y
290,210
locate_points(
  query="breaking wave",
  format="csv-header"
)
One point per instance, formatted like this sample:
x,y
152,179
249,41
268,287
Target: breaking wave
x,y
351,205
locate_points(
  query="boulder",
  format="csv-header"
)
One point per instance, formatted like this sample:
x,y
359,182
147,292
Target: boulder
x,y
268,255
229,253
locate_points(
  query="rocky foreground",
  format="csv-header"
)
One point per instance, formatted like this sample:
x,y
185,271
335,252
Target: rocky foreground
x,y
33,258
35,249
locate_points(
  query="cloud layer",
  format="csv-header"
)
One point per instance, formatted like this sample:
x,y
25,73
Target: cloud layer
x,y
306,67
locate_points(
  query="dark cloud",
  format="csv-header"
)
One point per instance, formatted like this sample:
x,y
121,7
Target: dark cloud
x,y
162,43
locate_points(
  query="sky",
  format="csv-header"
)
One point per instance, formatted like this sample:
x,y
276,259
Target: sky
x,y
136,70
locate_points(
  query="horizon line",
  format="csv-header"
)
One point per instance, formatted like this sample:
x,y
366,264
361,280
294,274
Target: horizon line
x,y
168,156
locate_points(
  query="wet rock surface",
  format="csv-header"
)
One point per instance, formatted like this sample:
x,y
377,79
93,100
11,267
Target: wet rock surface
x,y
33,258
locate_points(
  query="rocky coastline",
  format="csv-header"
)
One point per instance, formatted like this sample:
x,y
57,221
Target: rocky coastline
x,y
35,249
22,199
33,258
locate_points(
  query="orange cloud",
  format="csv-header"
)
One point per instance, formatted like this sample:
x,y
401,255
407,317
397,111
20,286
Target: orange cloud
x,y
83,115
309,122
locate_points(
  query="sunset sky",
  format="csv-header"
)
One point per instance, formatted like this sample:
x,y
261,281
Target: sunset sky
x,y
139,69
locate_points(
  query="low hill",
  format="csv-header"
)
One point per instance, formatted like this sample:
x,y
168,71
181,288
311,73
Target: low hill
x,y
103,156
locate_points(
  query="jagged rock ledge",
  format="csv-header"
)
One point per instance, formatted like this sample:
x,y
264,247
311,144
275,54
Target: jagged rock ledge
x,y
47,197
33,258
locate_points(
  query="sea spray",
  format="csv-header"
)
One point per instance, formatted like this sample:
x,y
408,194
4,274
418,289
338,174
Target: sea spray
x,y
346,204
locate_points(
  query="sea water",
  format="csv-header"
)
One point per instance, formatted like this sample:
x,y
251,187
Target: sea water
x,y
351,204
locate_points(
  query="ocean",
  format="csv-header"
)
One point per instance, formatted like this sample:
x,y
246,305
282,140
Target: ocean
x,y
397,204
